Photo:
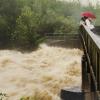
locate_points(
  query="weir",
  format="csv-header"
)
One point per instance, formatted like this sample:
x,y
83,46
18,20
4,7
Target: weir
x,y
64,40
68,41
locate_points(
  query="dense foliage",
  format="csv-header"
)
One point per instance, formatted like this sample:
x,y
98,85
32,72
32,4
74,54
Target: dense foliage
x,y
23,23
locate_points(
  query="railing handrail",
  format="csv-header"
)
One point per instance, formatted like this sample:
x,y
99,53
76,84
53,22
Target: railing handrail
x,y
94,37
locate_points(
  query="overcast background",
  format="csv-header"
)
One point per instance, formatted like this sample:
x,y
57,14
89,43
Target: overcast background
x,y
86,2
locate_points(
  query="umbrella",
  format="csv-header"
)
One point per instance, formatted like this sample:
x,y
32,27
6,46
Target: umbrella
x,y
88,14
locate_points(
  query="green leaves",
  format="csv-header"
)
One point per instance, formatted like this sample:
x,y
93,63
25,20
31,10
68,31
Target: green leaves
x,y
25,34
23,23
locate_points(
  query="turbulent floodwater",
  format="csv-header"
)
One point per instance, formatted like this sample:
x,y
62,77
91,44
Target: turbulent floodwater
x,y
40,74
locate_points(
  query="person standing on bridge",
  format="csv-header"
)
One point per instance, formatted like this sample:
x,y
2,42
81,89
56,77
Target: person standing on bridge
x,y
86,19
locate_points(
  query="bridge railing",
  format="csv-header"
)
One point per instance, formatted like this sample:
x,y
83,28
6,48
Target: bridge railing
x,y
91,45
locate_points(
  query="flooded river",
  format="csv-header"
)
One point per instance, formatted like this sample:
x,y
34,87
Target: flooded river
x,y
40,74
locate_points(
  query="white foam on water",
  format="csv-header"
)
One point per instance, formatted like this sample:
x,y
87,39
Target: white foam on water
x,y
41,73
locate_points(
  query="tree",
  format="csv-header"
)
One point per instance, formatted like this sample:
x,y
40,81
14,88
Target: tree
x,y
25,32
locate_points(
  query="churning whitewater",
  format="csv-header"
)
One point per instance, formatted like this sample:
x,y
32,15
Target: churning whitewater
x,y
40,74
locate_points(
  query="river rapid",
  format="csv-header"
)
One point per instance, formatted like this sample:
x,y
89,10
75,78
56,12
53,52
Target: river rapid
x,y
40,74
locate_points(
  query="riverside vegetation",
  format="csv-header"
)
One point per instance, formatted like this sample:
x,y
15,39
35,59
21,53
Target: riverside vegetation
x,y
23,23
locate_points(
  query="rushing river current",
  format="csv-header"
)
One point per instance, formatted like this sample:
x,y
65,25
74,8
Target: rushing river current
x,y
40,74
